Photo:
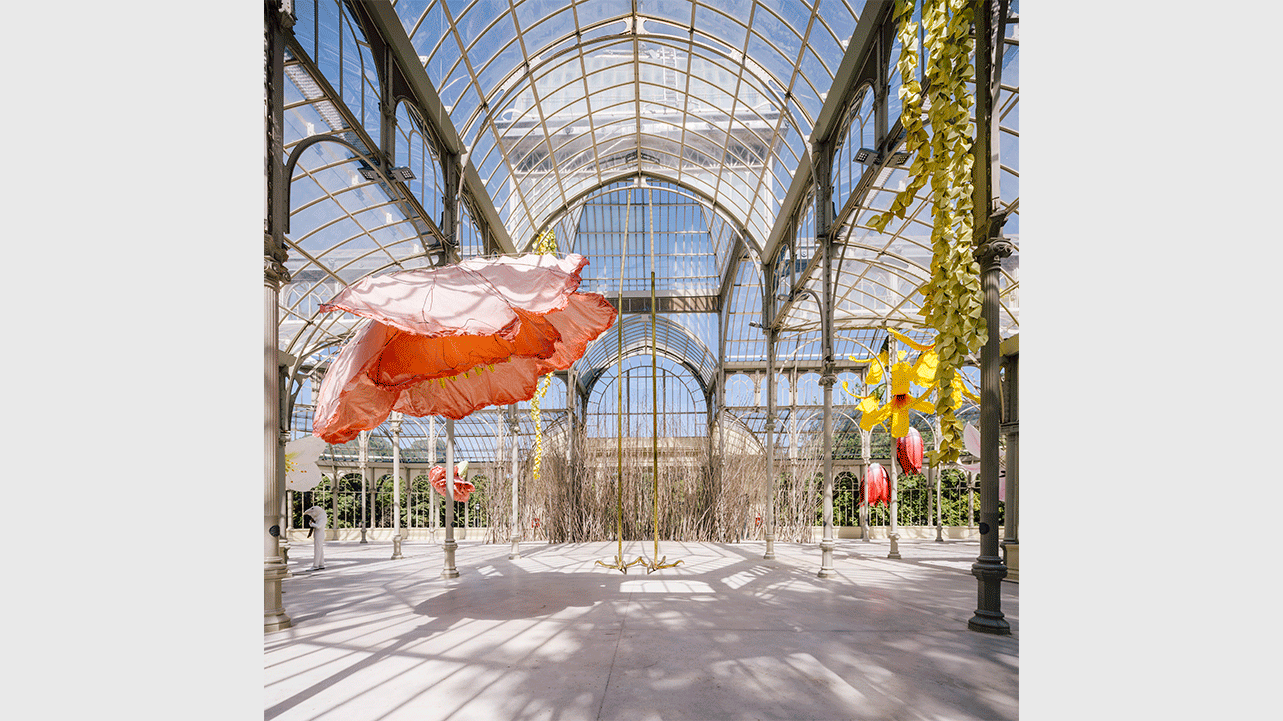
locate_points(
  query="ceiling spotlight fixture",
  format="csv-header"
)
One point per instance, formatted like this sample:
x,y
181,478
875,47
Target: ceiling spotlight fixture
x,y
899,159
866,156
402,174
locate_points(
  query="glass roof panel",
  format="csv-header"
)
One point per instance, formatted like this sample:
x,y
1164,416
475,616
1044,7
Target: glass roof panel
x,y
644,74
671,339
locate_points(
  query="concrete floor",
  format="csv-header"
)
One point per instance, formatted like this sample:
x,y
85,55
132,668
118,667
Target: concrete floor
x,y
725,635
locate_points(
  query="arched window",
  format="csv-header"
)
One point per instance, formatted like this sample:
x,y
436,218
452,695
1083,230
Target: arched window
x,y
416,151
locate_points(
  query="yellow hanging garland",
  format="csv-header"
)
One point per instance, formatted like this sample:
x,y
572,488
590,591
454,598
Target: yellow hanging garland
x,y
952,299
547,243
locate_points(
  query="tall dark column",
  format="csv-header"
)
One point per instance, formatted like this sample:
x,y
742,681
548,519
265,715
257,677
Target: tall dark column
x,y
770,436
821,157
988,569
277,22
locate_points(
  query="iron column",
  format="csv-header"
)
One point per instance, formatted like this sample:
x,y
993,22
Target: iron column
x,y
514,428
449,546
988,569
395,424
364,441
893,513
770,441
1011,430
277,20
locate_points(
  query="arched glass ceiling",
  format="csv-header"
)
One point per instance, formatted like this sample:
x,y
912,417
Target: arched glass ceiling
x,y
671,340
586,63
346,221
554,97
669,230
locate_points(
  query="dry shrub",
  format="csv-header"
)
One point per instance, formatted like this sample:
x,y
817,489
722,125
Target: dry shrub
x,y
703,495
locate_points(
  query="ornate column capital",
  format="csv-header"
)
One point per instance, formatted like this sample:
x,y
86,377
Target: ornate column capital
x,y
274,272
282,11
828,378
993,250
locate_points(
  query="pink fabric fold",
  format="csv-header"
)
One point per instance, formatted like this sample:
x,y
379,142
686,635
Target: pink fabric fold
x,y
450,341
474,297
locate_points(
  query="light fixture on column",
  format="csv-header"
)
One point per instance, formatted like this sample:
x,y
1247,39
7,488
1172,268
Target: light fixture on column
x,y
402,174
866,156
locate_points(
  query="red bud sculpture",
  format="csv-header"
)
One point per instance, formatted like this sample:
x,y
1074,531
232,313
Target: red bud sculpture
x,y
909,451
875,478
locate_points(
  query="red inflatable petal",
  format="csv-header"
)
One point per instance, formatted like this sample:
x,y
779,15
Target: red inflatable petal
x,y
908,451
879,485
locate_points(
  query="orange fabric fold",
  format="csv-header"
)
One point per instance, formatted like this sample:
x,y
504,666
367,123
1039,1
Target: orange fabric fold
x,y
450,341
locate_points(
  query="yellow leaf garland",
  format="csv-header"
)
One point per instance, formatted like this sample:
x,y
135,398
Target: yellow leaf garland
x,y
547,243
951,298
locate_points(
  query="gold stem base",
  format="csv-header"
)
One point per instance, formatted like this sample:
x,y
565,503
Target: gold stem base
x,y
619,564
652,567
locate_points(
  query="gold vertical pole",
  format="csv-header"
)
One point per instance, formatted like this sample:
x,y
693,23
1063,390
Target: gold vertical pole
x,y
619,456
656,562
654,409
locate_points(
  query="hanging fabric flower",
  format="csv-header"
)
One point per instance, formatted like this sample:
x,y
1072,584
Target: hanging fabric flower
x,y
301,471
462,489
454,339
927,365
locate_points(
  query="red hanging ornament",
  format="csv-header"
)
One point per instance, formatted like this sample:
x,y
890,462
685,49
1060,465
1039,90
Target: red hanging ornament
x,y
875,478
908,451
462,489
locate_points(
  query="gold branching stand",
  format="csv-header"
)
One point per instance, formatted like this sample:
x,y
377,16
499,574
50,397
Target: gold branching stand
x,y
619,563
655,565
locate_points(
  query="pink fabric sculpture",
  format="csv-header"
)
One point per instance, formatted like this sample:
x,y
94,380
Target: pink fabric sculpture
x,y
908,451
971,438
875,477
451,340
462,489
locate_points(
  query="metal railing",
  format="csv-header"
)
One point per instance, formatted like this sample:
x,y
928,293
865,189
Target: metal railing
x,y
419,503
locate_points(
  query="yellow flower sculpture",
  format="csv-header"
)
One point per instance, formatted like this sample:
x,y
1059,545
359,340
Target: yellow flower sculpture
x,y
922,372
